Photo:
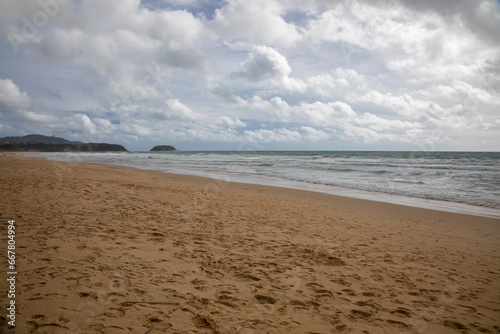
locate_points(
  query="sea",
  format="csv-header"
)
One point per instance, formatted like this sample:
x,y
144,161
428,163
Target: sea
x,y
462,182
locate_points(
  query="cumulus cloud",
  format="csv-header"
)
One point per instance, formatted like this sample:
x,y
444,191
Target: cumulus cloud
x,y
133,55
481,17
228,122
269,136
342,81
265,63
224,93
238,71
119,40
180,110
258,20
425,45
314,135
11,96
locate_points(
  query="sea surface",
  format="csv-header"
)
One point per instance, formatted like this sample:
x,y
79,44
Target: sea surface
x,y
464,182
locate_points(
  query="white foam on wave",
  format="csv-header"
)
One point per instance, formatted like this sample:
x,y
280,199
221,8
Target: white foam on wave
x,y
425,183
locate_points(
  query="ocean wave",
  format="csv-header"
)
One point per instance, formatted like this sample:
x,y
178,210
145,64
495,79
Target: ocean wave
x,y
462,177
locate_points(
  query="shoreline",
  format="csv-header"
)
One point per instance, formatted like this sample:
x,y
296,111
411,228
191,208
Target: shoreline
x,y
218,183
418,202
120,249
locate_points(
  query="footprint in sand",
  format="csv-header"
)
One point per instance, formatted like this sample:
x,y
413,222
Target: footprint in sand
x,y
356,313
403,312
265,299
454,325
201,321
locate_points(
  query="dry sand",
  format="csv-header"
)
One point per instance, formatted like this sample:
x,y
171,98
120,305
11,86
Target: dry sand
x,y
104,249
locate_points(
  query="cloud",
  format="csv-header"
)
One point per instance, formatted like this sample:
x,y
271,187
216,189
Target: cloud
x,y
181,111
228,122
446,107
180,34
424,45
311,134
267,64
269,136
120,49
341,82
481,17
294,72
326,121
225,94
258,21
11,96
326,114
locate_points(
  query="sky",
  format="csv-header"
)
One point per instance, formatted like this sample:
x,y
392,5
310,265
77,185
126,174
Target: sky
x,y
254,75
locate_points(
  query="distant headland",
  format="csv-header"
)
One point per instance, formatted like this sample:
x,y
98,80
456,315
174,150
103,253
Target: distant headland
x,y
163,148
41,143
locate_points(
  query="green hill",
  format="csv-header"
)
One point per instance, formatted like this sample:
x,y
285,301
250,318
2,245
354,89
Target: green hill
x,y
40,143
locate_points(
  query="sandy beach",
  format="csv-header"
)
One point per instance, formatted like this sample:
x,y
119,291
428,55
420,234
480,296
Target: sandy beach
x,y
107,249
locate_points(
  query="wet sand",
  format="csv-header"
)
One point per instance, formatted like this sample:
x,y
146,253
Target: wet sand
x,y
106,249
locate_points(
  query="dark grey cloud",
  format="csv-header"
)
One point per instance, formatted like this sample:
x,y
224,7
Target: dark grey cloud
x,y
190,59
481,16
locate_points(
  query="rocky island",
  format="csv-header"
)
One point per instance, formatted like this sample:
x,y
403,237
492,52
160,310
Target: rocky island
x,y
160,148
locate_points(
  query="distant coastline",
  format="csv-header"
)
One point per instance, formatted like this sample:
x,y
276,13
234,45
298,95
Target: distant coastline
x,y
42,147
41,143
